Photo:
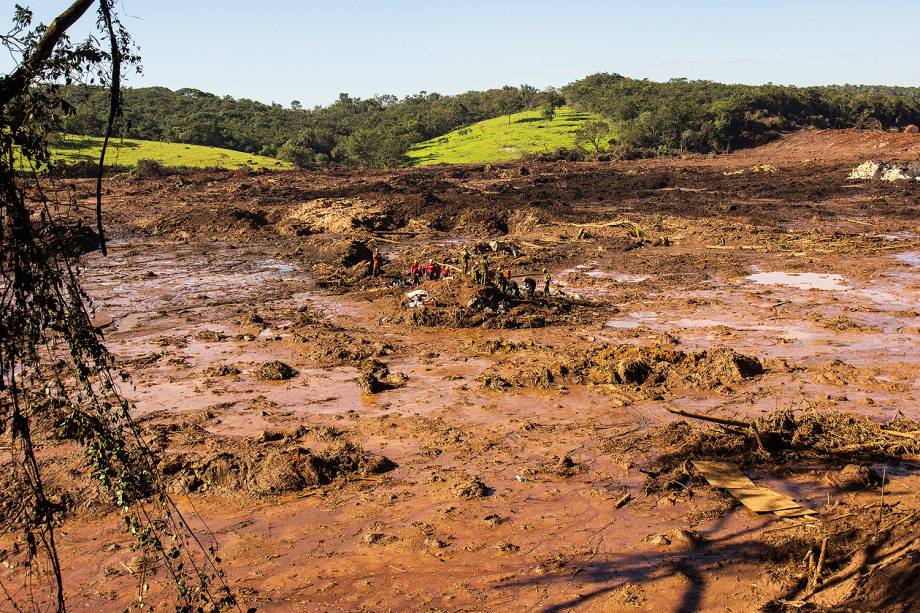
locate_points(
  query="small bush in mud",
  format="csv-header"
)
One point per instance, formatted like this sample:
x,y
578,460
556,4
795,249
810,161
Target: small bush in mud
x,y
474,488
274,371
148,169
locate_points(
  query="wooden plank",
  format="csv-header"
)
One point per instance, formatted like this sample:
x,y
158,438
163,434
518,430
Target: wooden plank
x,y
763,500
723,474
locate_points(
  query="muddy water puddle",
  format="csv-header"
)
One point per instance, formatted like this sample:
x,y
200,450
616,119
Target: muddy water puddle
x,y
156,292
800,280
790,315
911,259
135,286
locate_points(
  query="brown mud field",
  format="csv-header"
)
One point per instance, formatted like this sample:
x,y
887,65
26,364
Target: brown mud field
x,y
353,449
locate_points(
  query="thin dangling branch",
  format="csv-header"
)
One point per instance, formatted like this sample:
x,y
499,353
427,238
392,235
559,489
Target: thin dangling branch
x,y
114,109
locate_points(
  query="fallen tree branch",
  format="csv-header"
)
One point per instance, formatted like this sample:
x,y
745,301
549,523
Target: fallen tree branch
x,y
716,420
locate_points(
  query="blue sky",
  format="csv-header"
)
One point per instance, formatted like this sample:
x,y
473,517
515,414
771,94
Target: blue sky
x,y
281,50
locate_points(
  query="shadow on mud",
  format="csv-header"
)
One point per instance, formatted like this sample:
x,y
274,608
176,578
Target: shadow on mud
x,y
882,575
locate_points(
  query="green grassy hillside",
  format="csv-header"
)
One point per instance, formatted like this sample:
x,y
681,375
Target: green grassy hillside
x,y
497,140
127,152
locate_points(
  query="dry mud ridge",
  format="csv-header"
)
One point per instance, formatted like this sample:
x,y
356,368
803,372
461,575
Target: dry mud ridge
x,y
351,448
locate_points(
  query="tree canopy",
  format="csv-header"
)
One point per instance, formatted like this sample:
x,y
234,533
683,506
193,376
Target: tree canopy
x,y
652,118
646,117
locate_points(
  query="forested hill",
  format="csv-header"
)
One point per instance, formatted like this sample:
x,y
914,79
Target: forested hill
x,y
652,118
374,131
645,118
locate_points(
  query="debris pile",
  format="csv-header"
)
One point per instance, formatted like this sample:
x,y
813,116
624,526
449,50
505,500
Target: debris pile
x,y
777,437
886,171
265,469
274,371
717,367
490,309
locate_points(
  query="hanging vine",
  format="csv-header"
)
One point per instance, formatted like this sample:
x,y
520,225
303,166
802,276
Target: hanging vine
x,y
57,380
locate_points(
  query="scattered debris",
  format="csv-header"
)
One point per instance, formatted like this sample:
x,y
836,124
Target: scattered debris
x,y
886,171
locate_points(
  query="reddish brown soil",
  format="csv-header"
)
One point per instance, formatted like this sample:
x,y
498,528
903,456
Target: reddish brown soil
x,y
234,270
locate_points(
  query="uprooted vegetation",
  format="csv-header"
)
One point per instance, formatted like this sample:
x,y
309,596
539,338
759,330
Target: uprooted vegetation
x,y
775,439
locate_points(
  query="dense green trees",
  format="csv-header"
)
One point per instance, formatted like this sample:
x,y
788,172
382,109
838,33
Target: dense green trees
x,y
646,117
373,131
653,118
592,133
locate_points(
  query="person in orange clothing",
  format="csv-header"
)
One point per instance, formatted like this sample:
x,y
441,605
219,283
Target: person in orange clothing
x,y
375,263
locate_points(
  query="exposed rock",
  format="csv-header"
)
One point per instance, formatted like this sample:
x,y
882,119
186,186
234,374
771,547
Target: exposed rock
x,y
885,171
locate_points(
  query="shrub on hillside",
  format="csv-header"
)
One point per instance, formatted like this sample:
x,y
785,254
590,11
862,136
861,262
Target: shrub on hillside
x,y
298,155
148,169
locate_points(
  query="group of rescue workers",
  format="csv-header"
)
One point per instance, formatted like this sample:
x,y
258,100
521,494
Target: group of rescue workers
x,y
481,271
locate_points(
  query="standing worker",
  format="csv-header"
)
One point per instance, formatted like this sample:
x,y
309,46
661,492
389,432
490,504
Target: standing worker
x,y
546,280
483,271
375,263
465,258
